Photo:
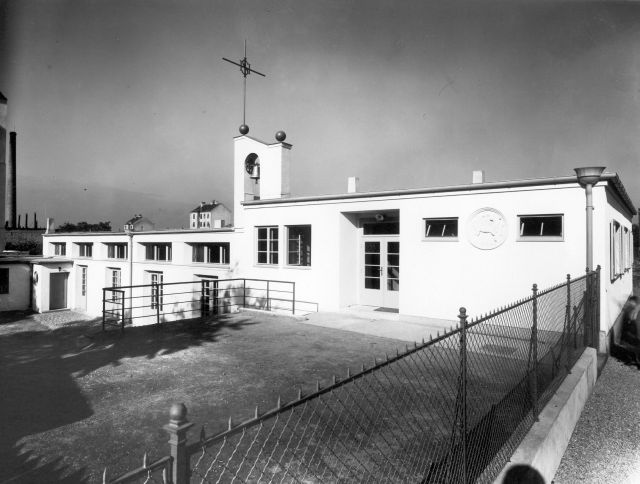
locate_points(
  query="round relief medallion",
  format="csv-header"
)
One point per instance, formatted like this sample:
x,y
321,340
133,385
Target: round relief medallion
x,y
487,229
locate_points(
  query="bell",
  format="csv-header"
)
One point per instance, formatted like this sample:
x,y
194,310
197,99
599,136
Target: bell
x,y
255,172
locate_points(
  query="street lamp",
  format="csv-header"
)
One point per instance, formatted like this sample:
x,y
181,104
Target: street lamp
x,y
587,178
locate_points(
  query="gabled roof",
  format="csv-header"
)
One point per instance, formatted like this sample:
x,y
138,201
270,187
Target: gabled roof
x,y
137,218
206,207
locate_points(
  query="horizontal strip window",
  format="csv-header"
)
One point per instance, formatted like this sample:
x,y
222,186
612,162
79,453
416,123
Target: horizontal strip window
x,y
441,228
214,253
159,252
541,226
85,250
59,248
116,251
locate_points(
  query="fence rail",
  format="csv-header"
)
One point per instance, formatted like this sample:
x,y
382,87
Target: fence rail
x,y
161,302
450,409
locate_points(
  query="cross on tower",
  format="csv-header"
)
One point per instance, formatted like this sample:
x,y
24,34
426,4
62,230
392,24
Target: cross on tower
x,y
245,69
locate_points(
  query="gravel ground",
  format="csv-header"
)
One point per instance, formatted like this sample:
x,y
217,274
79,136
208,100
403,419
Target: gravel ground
x,y
605,446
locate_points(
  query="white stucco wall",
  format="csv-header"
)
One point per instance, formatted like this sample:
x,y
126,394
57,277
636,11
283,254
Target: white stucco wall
x,y
19,287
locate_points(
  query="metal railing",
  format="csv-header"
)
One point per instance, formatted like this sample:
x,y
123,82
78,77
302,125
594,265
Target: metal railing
x,y
163,302
451,409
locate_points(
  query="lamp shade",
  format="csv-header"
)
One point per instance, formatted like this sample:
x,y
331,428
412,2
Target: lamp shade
x,y
589,175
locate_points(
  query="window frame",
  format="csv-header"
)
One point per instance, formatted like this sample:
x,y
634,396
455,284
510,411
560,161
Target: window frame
x,y
112,248
540,238
223,250
307,253
82,247
154,247
56,248
272,255
440,238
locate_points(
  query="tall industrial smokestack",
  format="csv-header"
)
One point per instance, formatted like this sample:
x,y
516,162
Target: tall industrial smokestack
x,y
11,181
3,165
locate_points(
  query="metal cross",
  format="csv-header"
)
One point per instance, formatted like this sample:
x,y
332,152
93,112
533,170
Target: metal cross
x,y
245,69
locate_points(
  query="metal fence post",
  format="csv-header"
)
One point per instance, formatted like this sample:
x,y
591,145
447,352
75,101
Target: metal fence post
x,y
570,326
293,300
202,309
177,429
588,330
534,341
463,381
122,309
244,293
596,303
268,303
157,303
104,308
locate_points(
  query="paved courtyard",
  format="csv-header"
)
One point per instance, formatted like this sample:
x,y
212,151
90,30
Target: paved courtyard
x,y
76,400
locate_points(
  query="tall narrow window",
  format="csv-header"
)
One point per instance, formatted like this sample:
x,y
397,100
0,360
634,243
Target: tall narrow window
x,y
83,280
267,245
615,249
157,290
299,245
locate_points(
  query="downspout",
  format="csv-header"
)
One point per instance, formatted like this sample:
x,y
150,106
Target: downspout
x,y
130,234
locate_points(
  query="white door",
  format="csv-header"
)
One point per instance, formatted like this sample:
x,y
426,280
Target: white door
x,y
380,275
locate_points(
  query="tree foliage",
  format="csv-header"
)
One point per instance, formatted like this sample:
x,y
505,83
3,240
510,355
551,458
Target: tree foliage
x,y
85,227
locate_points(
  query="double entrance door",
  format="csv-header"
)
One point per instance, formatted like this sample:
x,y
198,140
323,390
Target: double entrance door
x,y
380,277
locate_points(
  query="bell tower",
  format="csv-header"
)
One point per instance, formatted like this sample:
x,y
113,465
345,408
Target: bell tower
x,y
260,171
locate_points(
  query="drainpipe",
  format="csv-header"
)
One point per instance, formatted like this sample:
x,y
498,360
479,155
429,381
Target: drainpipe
x,y
130,234
587,178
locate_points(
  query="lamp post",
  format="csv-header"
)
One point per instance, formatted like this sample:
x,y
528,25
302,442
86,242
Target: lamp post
x,y
587,178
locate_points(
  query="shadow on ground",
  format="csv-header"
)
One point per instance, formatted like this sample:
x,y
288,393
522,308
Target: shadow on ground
x,y
38,368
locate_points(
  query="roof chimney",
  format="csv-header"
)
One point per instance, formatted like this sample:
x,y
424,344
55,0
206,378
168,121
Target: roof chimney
x,y
478,176
352,184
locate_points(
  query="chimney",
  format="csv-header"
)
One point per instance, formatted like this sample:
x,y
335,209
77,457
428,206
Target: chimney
x,y
478,176
352,184
3,167
50,226
11,181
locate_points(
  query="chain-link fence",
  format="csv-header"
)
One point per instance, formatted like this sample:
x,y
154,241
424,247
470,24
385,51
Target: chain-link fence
x,y
452,409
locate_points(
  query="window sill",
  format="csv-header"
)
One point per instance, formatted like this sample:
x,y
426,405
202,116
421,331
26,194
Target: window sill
x,y
300,268
440,239
210,264
267,266
543,238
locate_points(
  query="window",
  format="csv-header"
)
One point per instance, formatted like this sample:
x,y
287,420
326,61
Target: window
x,y
161,252
116,251
381,228
83,280
616,250
215,253
541,226
85,249
59,248
157,290
4,281
114,280
299,245
267,245
440,228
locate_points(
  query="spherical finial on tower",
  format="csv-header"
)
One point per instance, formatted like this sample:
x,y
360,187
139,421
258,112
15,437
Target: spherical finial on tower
x,y
281,136
244,129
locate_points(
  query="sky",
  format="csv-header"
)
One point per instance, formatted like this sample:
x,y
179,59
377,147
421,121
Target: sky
x,y
125,106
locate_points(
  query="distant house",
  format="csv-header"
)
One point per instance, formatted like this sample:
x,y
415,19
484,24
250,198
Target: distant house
x,y
213,215
138,224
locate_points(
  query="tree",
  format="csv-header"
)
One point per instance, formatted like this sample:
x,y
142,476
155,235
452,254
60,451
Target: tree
x,y
85,227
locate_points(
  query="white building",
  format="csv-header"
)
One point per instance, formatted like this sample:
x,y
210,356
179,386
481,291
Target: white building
x,y
417,252
210,215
